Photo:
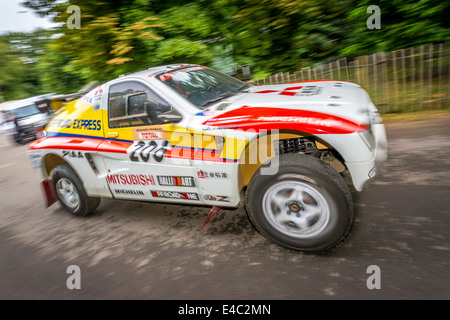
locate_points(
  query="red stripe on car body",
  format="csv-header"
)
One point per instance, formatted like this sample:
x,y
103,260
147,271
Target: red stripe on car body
x,y
267,91
262,118
288,93
80,144
293,88
67,143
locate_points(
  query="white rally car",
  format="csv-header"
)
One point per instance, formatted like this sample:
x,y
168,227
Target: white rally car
x,y
188,134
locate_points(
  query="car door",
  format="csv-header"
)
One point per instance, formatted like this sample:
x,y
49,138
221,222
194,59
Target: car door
x,y
147,150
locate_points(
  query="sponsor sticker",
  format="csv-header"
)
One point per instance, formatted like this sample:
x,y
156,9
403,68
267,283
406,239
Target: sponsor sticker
x,y
211,175
87,99
72,154
36,158
174,195
296,91
306,120
99,91
208,197
176,181
77,124
127,192
131,179
150,133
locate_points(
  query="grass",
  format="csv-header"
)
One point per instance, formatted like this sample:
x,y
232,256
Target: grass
x,y
415,115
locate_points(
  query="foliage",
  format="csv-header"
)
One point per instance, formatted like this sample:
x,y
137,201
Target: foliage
x,y
124,36
19,54
404,23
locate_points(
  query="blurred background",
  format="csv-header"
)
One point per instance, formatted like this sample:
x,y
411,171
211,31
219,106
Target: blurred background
x,y
130,250
404,64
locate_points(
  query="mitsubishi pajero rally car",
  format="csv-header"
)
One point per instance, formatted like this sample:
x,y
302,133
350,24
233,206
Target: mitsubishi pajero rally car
x,y
187,134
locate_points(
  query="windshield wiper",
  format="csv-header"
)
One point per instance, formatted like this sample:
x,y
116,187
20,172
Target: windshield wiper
x,y
225,95
242,88
219,97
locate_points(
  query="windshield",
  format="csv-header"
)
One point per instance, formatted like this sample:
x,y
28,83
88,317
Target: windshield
x,y
26,111
202,86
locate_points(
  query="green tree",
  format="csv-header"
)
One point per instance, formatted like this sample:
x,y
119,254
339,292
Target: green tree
x,y
123,36
57,74
18,77
284,35
404,23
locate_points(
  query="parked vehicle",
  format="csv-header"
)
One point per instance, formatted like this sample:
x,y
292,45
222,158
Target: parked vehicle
x,y
187,134
23,120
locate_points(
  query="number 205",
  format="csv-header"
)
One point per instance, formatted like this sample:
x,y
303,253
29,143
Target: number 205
x,y
145,151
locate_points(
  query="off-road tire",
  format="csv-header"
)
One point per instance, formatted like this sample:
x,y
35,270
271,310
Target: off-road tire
x,y
85,204
318,185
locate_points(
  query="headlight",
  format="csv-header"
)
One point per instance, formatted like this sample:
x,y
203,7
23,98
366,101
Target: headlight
x,y
368,138
375,117
40,123
41,134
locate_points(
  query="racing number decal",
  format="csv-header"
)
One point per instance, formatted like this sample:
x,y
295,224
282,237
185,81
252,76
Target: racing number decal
x,y
147,151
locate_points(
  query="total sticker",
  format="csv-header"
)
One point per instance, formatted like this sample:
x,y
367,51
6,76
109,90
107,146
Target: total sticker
x,y
150,133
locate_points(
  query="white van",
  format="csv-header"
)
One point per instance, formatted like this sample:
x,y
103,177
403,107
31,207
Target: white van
x,y
23,120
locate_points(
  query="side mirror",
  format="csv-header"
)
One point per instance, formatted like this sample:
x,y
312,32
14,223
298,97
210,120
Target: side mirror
x,y
171,116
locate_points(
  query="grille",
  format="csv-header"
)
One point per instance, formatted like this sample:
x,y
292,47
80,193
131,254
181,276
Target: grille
x,y
295,145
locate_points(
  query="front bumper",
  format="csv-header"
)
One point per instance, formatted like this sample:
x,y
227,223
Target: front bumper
x,y
364,172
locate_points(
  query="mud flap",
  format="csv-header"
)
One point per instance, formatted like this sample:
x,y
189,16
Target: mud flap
x,y
212,213
49,192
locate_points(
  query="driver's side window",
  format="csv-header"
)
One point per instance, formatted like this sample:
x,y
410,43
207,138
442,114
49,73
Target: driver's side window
x,y
132,104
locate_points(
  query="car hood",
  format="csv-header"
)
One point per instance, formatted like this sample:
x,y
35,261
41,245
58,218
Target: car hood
x,y
38,119
314,106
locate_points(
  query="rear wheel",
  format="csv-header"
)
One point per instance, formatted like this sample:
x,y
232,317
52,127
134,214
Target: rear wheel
x,y
305,206
70,191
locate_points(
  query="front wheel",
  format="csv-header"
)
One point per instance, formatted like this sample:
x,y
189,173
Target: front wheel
x,y
70,191
305,206
19,138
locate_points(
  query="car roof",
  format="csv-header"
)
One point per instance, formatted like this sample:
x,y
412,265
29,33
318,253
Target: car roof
x,y
7,105
11,105
153,71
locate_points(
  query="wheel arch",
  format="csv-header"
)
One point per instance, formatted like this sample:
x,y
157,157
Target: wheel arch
x,y
50,162
326,186
248,164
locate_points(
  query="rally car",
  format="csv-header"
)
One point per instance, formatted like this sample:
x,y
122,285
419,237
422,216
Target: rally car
x,y
186,134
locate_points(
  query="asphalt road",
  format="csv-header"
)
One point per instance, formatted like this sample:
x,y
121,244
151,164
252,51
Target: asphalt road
x,y
134,250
